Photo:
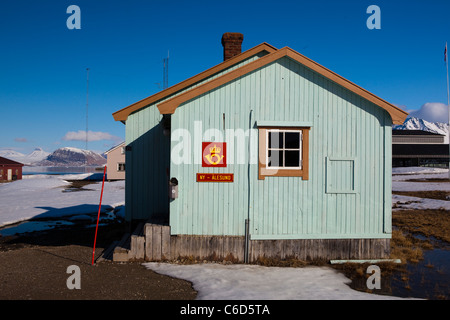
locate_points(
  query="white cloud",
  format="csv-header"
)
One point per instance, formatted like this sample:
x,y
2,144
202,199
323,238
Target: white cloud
x,y
432,112
80,135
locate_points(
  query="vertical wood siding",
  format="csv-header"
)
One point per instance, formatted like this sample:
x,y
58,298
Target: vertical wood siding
x,y
147,164
344,126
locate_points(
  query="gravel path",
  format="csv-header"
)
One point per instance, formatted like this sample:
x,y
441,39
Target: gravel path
x,y
35,266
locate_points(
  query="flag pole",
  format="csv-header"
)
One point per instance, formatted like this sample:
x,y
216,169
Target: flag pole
x,y
98,216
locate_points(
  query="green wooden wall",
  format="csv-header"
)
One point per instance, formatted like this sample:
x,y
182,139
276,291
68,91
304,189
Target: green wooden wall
x,y
348,194
147,166
348,191
148,157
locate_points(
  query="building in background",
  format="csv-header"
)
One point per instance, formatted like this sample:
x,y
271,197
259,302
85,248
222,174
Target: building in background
x,y
413,148
115,162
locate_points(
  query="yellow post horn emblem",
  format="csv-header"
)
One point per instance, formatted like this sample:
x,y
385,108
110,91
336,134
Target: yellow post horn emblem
x,y
214,152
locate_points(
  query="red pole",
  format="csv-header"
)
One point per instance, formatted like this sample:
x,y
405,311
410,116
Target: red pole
x,y
98,217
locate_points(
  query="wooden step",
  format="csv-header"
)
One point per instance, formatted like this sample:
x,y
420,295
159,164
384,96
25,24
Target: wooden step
x,y
137,244
107,255
121,250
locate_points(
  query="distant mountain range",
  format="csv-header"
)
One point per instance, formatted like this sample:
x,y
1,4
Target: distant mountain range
x,y
420,124
37,155
74,157
62,157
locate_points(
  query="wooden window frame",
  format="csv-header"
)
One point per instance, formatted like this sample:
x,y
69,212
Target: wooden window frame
x,y
264,171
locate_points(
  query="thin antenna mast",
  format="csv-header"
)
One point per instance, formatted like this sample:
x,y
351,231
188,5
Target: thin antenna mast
x,y
87,106
448,107
166,72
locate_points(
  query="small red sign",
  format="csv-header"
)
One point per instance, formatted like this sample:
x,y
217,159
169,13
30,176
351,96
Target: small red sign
x,y
215,177
214,154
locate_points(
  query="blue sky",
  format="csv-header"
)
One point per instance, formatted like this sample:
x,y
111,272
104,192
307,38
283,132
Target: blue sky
x,y
43,63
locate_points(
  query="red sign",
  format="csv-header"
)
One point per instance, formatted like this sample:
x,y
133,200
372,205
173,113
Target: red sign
x,y
215,177
214,154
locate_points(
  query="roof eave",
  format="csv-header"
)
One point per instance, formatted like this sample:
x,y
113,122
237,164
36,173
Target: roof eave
x,y
398,115
122,114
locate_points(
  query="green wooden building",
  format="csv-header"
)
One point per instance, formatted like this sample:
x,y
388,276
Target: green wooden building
x,y
267,154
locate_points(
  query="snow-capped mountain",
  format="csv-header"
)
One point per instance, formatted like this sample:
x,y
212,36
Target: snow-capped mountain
x,y
420,124
72,157
12,155
37,155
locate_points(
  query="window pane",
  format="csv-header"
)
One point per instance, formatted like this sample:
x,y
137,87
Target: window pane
x,y
292,140
275,158
292,158
275,139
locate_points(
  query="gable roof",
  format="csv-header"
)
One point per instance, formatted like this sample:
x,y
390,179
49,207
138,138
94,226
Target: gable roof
x,y
169,106
122,144
123,114
6,161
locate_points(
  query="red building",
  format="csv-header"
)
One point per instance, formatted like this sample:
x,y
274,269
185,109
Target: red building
x,y
10,170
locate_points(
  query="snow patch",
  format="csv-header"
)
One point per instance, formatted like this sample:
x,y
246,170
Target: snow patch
x,y
250,282
41,197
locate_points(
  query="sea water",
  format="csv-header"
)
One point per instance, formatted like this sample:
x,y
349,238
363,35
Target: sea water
x,y
58,170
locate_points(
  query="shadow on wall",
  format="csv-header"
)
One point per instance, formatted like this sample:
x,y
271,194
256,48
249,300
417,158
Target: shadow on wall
x,y
147,175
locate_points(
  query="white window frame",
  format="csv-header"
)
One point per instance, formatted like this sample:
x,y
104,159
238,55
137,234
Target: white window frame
x,y
300,132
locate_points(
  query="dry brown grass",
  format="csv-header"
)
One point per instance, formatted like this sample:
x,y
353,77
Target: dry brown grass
x,y
430,180
80,183
405,245
406,248
435,194
429,223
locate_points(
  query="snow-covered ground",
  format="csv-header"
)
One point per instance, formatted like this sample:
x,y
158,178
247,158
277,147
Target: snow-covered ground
x,y
400,182
42,196
250,282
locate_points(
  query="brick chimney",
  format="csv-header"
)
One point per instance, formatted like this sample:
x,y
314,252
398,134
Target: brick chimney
x,y
231,42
